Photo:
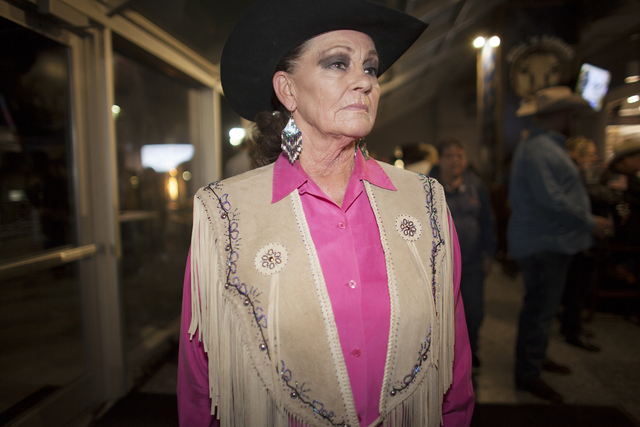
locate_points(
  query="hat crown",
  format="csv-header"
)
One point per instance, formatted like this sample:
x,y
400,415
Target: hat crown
x,y
551,95
270,29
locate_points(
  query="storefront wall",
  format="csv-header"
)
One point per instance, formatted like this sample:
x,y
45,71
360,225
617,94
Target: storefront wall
x,y
108,127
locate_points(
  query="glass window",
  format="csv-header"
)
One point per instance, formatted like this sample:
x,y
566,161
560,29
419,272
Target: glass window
x,y
41,330
155,147
36,196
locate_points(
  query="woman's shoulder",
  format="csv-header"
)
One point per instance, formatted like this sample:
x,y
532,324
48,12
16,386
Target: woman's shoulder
x,y
254,187
257,179
402,178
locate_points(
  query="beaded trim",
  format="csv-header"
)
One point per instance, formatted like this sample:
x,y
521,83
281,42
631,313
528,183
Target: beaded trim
x,y
250,296
432,211
423,355
298,391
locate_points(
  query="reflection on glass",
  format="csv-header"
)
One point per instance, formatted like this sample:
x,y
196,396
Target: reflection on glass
x,y
41,339
155,149
35,189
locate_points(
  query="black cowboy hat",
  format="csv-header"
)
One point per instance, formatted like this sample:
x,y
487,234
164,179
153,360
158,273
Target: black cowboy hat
x,y
269,29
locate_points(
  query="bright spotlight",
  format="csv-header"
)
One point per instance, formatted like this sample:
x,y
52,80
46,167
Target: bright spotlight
x,y
494,41
115,110
633,99
236,135
478,42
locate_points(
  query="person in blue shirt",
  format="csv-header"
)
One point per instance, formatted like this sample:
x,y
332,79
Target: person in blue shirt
x,y
470,207
550,221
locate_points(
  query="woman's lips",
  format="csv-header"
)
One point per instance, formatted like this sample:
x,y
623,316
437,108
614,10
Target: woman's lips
x,y
357,107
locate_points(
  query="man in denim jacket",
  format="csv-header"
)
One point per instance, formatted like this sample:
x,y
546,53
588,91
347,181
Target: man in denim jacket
x,y
551,221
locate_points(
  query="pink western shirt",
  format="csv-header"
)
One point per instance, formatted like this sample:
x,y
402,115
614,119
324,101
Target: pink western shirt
x,y
353,265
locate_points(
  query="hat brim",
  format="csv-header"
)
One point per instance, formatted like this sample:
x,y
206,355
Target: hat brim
x,y
269,29
574,102
621,154
527,108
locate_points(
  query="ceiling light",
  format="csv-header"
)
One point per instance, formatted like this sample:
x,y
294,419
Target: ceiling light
x,y
632,99
478,42
494,41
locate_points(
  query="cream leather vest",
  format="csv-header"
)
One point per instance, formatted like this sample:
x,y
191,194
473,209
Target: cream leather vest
x,y
261,307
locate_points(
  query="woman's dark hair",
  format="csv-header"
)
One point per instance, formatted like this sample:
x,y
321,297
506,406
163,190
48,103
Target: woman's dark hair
x,y
269,124
449,142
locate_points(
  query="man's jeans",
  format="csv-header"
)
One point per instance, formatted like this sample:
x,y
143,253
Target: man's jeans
x,y
544,277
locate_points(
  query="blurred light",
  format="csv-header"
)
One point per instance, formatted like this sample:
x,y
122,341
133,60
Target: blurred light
x,y
135,182
236,135
397,152
399,163
17,196
115,109
632,79
186,175
172,186
478,42
632,99
494,41
164,157
629,112
173,172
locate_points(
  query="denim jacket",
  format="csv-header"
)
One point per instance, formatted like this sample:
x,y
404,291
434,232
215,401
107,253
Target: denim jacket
x,y
550,206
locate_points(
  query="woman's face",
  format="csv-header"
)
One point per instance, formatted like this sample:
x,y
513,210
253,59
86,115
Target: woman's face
x,y
453,161
334,86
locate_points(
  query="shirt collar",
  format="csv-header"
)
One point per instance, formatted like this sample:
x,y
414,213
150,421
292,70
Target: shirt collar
x,y
556,136
287,177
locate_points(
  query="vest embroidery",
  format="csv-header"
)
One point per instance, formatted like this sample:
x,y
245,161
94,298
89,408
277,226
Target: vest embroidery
x,y
423,355
408,227
250,296
432,212
271,259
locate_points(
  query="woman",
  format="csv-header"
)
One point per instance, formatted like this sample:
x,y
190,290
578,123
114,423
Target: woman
x,y
470,206
320,287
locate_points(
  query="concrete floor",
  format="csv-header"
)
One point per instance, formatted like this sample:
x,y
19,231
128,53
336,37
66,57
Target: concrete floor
x,y
608,378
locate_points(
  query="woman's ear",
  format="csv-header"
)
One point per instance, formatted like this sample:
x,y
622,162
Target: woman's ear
x,y
282,86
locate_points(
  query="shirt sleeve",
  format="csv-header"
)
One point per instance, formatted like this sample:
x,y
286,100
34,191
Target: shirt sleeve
x,y
194,403
548,191
459,401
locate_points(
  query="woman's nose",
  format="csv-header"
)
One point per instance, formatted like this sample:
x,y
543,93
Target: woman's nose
x,y
362,80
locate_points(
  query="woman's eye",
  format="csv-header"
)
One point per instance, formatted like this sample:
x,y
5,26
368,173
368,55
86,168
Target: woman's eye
x,y
339,65
372,71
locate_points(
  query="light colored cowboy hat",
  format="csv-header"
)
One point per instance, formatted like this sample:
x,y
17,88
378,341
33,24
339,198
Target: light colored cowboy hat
x,y
269,29
554,98
627,148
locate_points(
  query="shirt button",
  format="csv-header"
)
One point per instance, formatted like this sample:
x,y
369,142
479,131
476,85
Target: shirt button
x,y
352,284
356,352
341,225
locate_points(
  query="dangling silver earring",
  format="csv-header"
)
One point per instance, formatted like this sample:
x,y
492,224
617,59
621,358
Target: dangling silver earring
x,y
291,141
361,145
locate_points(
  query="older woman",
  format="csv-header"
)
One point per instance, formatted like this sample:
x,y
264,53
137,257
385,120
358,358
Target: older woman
x,y
322,288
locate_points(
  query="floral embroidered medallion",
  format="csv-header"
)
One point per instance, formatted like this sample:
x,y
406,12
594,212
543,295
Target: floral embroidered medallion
x,y
271,259
408,227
